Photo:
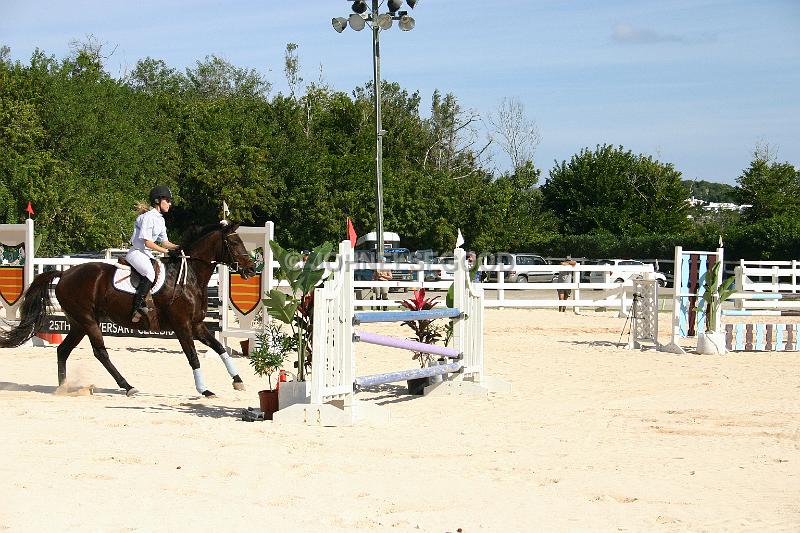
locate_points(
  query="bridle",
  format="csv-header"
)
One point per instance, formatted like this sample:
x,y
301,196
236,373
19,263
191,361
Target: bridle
x,y
228,256
232,263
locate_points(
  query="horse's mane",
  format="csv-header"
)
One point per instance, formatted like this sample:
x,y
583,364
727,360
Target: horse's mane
x,y
197,233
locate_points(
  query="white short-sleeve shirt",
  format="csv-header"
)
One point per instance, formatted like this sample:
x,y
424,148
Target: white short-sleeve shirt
x,y
149,226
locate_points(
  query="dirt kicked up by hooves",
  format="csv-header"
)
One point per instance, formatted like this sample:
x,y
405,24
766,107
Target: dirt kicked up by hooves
x,y
65,390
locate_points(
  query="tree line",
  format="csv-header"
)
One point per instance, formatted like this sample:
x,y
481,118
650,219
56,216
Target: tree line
x,y
84,147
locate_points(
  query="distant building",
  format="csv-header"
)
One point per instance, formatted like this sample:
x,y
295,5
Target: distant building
x,y
716,206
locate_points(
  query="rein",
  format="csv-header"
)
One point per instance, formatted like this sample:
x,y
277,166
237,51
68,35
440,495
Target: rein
x,y
228,258
227,254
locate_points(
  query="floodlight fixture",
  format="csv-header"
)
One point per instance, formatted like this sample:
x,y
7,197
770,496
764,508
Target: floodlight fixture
x,y
367,12
356,22
359,6
385,21
407,23
339,24
394,5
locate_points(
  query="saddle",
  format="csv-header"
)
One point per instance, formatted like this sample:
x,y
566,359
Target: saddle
x,y
126,279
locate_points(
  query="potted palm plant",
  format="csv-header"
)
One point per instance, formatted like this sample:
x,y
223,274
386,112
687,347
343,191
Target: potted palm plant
x,y
271,349
296,309
424,331
712,341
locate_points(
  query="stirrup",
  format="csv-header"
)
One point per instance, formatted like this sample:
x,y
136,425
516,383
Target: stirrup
x,y
138,314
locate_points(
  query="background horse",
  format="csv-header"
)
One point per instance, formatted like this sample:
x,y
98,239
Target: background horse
x,y
87,294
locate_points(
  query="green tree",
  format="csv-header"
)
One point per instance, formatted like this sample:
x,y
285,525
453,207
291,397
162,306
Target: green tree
x,y
291,69
453,143
510,215
153,76
611,190
772,188
218,78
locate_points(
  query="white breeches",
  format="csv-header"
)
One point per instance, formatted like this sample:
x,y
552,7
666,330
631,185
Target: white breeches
x,y
142,263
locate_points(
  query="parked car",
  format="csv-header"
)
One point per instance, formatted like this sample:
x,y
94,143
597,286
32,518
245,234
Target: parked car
x,y
615,275
588,277
517,268
447,270
424,256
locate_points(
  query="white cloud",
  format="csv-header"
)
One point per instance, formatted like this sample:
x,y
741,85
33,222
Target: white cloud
x,y
627,34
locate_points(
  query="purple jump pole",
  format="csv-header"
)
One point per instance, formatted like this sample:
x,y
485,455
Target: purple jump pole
x,y
405,344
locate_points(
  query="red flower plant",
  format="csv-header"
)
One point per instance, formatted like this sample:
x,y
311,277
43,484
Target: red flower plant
x,y
419,302
424,330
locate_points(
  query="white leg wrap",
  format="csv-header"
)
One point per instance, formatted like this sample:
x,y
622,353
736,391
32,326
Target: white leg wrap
x,y
229,364
199,384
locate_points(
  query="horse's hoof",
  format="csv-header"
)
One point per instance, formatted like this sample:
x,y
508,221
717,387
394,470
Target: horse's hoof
x,y
132,391
238,385
209,394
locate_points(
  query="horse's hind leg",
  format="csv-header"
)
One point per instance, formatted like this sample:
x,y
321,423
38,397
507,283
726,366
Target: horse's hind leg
x,y
202,334
100,352
69,343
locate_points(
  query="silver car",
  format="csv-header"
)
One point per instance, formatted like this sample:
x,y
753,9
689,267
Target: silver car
x,y
517,268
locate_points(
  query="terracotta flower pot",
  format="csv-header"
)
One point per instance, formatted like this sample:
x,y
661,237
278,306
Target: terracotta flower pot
x,y
268,401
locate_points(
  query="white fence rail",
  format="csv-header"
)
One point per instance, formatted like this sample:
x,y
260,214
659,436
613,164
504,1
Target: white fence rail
x,y
504,293
499,293
768,276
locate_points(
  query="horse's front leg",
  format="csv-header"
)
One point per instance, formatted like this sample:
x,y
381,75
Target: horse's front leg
x,y
202,334
187,343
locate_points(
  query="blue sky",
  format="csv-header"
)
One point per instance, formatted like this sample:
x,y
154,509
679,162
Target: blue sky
x,y
694,83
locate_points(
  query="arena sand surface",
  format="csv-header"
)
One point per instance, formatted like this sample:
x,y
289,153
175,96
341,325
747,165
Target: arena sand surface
x,y
593,438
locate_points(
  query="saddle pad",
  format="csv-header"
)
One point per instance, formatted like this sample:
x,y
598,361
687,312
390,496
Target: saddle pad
x,y
122,278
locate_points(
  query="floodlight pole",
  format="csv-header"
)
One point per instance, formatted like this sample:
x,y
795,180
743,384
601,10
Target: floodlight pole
x,y
406,24
376,64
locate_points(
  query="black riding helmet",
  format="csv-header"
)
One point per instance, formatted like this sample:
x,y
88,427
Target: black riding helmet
x,y
157,193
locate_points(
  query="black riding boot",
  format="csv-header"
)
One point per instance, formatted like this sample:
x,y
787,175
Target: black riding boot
x,y
139,307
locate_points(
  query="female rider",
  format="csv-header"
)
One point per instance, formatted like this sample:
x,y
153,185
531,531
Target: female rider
x,y
148,231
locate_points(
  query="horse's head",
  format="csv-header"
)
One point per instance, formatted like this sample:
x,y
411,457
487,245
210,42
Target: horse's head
x,y
235,254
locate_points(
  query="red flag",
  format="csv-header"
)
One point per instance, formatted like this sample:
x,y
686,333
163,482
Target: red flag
x,y
351,233
29,210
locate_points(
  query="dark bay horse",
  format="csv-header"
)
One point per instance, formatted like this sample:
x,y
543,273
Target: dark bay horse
x,y
87,295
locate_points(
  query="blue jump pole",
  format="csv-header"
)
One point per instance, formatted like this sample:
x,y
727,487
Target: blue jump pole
x,y
403,375
366,317
760,312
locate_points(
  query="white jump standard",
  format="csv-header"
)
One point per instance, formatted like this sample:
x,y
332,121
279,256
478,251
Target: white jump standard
x,y
330,399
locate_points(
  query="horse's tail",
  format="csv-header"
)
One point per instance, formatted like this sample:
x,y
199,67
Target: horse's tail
x,y
33,311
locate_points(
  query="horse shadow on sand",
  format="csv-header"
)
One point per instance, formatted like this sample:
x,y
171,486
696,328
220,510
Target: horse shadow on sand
x,y
187,408
206,410
53,390
151,350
